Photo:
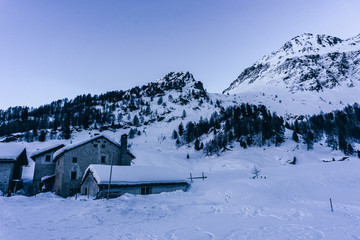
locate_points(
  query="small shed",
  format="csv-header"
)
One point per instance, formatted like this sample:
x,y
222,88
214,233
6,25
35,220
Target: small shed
x,y
12,158
131,179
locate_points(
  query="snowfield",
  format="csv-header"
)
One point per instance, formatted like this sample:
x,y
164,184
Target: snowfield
x,y
287,202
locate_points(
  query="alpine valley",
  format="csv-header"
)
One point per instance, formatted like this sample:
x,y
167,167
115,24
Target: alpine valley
x,y
292,118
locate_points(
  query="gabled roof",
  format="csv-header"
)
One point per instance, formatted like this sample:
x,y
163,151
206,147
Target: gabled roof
x,y
131,175
69,147
42,151
10,151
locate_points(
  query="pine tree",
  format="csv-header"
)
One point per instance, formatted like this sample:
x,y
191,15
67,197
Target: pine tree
x,y
181,129
183,115
174,135
136,121
309,138
295,137
42,136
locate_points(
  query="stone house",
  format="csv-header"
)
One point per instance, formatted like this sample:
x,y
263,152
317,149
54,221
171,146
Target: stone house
x,y
44,172
134,180
72,161
12,159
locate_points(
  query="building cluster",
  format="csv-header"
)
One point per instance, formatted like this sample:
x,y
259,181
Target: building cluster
x,y
98,166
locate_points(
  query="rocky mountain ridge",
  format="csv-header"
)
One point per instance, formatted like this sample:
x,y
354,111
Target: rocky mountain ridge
x,y
305,63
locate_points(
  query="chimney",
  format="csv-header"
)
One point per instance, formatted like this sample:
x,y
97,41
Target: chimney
x,y
123,142
125,158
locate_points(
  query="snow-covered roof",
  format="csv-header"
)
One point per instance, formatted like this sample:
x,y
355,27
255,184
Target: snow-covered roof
x,y
61,151
10,151
131,175
47,177
45,150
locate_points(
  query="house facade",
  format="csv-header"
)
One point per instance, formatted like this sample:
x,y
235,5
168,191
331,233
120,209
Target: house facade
x,y
133,180
44,171
72,161
12,159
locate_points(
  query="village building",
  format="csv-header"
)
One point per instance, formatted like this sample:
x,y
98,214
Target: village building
x,y
134,180
12,159
44,172
72,161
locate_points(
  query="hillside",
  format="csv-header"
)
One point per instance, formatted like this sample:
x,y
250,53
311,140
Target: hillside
x,y
308,74
224,136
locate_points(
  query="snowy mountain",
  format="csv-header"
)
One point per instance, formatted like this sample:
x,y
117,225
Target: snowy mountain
x,y
312,73
289,199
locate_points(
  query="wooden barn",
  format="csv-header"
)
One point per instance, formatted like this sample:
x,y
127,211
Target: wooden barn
x,y
12,159
130,179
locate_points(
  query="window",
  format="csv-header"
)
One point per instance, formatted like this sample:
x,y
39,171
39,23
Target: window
x,y
103,159
95,145
47,158
73,175
146,190
74,160
103,145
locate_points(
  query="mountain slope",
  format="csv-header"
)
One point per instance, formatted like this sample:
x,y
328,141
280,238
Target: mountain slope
x,y
312,73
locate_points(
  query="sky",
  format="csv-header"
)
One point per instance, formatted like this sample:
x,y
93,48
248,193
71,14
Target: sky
x,y
51,50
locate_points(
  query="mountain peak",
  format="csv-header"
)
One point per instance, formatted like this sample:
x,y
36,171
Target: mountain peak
x,y
307,63
308,43
177,76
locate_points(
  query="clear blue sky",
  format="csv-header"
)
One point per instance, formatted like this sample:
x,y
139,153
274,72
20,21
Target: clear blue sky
x,y
50,50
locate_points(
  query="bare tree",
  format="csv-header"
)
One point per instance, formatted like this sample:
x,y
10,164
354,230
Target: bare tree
x,y
256,172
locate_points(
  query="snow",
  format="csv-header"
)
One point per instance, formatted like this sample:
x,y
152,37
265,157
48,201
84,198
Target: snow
x,y
10,151
291,203
286,202
79,143
47,177
128,175
45,149
278,81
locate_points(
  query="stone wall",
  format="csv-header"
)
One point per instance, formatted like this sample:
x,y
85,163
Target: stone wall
x,y
6,172
89,153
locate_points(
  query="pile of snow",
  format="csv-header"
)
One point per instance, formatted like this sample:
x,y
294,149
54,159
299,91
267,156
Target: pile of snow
x,y
128,175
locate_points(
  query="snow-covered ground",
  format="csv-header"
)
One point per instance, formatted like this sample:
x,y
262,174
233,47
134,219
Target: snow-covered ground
x,y
288,202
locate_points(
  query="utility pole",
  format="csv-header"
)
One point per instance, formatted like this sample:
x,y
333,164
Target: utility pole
x,y
111,166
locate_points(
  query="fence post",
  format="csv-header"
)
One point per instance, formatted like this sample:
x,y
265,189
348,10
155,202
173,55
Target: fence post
x,y
332,210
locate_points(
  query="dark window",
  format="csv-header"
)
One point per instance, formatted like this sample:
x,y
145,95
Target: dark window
x,y
47,158
103,145
95,145
74,159
103,159
146,190
73,175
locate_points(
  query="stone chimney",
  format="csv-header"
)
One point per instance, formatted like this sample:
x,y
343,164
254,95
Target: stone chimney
x,y
125,158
